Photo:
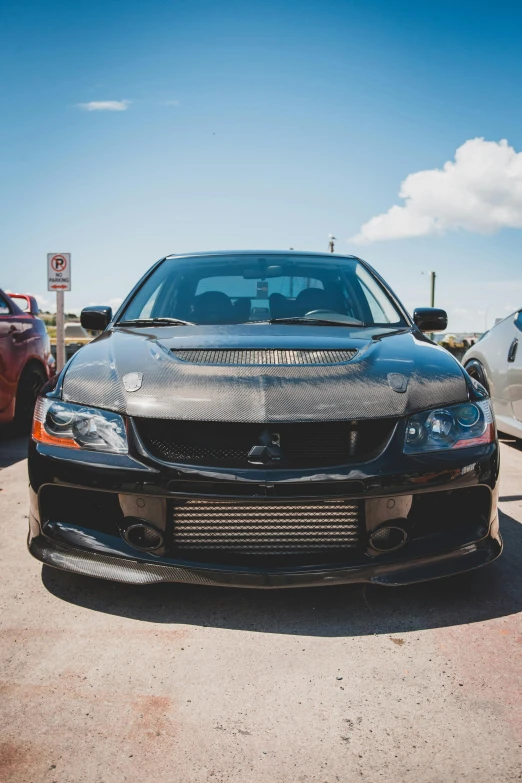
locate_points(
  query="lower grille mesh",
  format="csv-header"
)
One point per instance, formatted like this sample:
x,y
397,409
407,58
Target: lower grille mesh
x,y
210,528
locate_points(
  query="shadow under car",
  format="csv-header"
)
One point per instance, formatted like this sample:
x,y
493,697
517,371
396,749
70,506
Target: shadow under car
x,y
336,611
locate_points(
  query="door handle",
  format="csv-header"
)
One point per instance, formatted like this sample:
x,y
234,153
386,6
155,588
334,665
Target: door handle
x,y
513,350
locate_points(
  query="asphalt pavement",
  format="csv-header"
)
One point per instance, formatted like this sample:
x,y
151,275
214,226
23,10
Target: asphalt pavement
x,y
105,683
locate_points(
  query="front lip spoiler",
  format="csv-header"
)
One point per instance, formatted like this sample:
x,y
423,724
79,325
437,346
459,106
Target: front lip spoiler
x,y
80,561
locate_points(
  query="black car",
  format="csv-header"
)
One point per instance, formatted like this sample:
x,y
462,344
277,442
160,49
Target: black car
x,y
263,419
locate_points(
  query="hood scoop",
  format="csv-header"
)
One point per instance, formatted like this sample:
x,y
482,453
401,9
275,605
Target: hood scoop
x,y
256,357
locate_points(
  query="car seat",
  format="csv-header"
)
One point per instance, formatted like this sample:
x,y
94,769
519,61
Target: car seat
x,y
242,308
280,306
312,299
213,307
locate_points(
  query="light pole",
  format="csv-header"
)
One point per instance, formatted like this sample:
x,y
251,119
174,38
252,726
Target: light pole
x,y
432,288
432,275
331,245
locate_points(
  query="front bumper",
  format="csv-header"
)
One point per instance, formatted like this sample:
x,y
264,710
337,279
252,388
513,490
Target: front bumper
x,y
133,571
459,487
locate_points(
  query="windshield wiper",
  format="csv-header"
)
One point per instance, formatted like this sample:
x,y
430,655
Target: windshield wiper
x,y
393,330
317,321
155,322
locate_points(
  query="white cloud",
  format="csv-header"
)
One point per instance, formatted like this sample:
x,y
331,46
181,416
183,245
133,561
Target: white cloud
x,y
480,191
45,302
104,105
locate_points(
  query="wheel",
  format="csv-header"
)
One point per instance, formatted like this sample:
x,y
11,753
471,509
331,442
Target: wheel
x,y
476,371
31,381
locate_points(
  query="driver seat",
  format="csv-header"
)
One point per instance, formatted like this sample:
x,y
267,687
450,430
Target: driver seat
x,y
213,307
312,299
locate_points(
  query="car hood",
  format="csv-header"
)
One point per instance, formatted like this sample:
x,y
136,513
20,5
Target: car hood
x,y
393,375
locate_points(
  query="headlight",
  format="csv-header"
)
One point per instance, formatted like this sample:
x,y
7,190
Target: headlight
x,y
77,427
452,427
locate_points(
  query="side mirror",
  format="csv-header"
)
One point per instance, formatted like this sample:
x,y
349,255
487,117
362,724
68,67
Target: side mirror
x,y
430,319
96,318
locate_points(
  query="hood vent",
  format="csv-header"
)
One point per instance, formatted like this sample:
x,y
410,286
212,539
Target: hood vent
x,y
264,356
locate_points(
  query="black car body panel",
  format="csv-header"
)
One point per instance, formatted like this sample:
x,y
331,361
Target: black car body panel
x,y
340,390
325,421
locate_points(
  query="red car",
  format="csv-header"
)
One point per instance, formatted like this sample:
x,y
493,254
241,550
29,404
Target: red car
x,y
26,362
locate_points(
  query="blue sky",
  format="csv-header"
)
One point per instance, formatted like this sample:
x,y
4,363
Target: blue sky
x,y
263,125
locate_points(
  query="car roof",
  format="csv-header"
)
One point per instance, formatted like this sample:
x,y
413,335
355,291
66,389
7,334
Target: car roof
x,y
286,253
16,309
505,319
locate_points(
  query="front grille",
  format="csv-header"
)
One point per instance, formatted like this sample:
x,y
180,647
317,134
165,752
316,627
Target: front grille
x,y
264,356
228,444
222,531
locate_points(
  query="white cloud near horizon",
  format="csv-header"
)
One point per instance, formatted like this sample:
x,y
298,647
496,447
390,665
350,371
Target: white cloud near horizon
x,y
104,105
480,191
45,301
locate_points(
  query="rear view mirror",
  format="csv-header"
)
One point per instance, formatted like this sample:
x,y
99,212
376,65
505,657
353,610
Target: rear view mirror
x,y
96,318
430,319
256,272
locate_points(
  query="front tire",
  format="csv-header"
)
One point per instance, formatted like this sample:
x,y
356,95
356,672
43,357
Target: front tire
x,y
475,370
30,383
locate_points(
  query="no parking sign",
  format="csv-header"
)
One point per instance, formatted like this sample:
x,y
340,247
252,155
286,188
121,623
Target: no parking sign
x,y
58,271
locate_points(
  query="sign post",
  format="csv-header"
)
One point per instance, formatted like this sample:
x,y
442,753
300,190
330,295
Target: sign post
x,y
59,280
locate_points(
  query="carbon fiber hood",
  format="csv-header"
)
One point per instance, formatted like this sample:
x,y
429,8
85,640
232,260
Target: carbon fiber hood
x,y
395,376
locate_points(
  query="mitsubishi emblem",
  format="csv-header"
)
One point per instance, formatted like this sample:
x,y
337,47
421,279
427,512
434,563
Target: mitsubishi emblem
x,y
268,451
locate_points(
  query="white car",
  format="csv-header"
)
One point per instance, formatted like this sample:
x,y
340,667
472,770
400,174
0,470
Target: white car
x,y
496,361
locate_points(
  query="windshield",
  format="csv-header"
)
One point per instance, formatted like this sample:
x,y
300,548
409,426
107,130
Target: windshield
x,y
238,289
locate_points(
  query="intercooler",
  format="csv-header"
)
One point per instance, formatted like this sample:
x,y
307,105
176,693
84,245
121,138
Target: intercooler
x,y
217,531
